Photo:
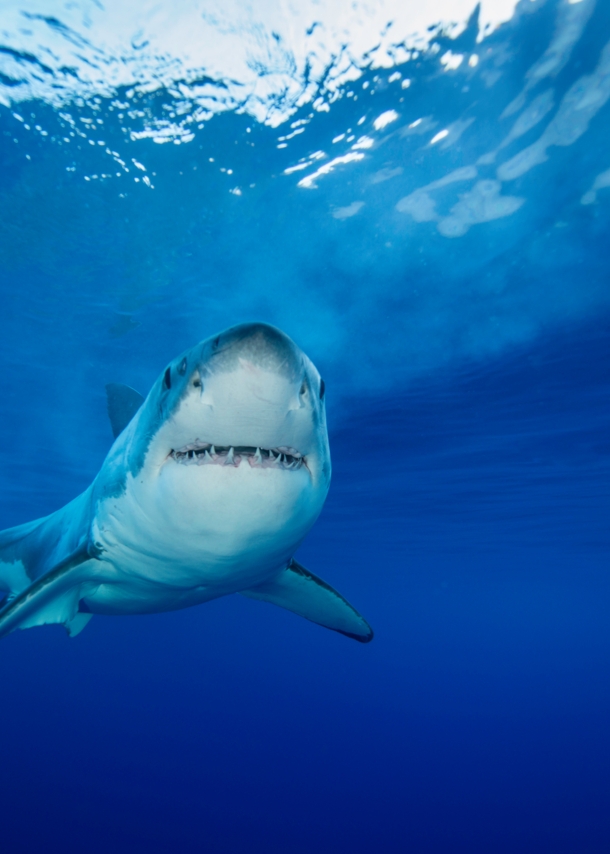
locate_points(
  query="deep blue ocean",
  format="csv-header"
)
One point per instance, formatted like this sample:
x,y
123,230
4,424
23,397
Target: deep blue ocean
x,y
433,229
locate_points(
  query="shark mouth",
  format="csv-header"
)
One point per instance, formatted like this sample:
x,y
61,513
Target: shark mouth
x,y
202,454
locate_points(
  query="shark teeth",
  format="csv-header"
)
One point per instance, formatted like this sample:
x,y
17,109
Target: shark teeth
x,y
203,453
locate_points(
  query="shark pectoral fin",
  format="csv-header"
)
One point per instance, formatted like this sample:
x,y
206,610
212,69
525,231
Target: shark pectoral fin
x,y
77,623
123,403
62,609
302,592
52,598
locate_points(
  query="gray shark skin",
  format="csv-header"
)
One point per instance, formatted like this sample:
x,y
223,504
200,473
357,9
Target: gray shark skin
x,y
210,486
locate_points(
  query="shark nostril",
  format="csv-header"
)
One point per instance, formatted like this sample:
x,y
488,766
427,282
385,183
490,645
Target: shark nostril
x,y
182,367
167,378
322,389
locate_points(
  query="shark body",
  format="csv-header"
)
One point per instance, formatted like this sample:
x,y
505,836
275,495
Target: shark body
x,y
210,486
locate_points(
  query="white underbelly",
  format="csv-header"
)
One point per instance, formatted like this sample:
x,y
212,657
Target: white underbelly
x,y
123,593
181,542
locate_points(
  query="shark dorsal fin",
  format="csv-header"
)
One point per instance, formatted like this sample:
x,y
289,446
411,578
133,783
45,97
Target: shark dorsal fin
x,y
123,403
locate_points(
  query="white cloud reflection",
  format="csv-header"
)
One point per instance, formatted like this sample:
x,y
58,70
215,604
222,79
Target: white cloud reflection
x,y
483,203
309,182
385,118
348,211
579,105
601,182
569,25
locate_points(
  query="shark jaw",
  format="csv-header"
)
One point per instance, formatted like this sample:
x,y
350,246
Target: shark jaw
x,y
204,453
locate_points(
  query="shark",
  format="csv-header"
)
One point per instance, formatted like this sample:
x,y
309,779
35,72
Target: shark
x,y
211,484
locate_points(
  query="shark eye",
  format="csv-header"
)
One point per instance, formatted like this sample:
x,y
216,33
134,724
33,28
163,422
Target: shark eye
x,y
167,378
303,388
322,389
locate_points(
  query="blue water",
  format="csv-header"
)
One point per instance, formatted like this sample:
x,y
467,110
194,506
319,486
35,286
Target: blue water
x,y
462,324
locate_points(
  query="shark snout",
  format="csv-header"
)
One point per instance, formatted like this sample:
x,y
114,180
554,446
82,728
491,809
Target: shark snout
x,y
255,347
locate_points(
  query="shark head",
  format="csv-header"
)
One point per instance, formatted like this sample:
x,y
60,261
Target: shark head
x,y
231,444
248,396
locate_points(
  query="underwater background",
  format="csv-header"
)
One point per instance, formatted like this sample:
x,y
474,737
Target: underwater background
x,y
418,194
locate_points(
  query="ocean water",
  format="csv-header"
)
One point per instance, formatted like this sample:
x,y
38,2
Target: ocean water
x,y
419,195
